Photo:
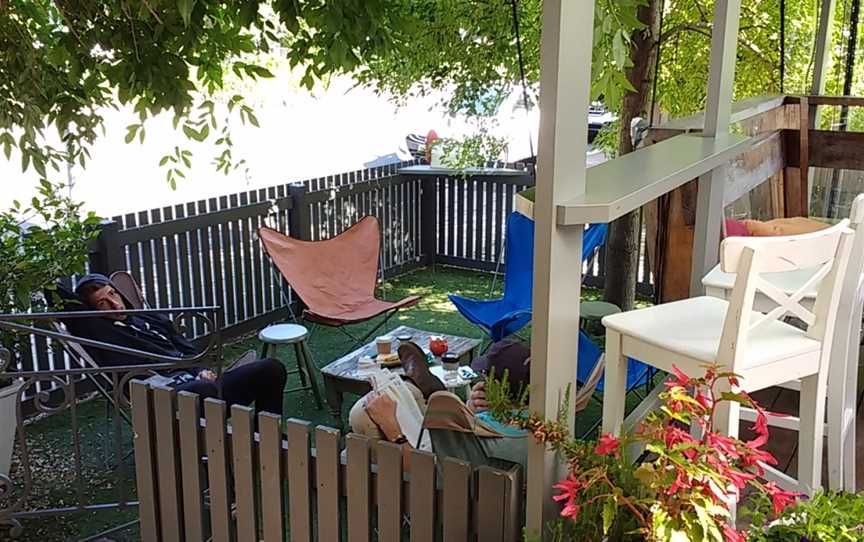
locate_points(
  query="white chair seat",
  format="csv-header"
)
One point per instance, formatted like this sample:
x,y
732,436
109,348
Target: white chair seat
x,y
283,334
692,327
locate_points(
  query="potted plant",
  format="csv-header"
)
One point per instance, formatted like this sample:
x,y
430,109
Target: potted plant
x,y
9,389
40,243
683,488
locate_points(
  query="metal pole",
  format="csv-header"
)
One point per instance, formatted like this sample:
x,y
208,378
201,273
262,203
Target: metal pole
x,y
822,54
718,108
565,80
782,46
834,193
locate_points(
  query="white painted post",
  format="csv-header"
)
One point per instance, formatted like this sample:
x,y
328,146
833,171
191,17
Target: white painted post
x,y
718,106
565,77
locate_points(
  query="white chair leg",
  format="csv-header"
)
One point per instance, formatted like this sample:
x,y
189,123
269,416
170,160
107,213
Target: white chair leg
x,y
614,387
836,434
812,416
848,447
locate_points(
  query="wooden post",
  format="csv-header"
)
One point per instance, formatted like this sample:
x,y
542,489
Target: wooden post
x,y
428,220
709,202
106,255
299,218
796,186
565,68
804,158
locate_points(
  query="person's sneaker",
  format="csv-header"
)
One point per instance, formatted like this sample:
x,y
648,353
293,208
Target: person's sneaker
x,y
417,369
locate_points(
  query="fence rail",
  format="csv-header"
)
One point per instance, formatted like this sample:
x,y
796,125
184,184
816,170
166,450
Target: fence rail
x,y
272,482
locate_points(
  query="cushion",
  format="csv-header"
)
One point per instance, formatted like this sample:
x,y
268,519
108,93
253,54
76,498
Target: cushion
x,y
736,228
784,226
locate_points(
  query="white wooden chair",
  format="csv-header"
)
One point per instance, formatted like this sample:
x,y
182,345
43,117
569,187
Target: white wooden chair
x,y
761,348
843,372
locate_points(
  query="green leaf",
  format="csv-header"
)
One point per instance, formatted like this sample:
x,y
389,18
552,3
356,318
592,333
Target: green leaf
x,y
131,130
164,160
185,8
735,397
609,511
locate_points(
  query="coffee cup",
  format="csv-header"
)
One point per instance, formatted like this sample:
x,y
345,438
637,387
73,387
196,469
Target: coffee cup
x,y
384,343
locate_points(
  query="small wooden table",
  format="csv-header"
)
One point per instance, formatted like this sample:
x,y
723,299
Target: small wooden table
x,y
341,376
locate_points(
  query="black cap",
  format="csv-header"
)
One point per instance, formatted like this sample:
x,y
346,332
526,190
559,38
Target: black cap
x,y
91,278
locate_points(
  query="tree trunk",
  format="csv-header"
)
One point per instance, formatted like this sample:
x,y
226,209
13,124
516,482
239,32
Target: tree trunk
x,y
622,241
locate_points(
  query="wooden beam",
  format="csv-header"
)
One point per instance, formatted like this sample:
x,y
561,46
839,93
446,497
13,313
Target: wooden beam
x,y
565,80
740,111
827,149
852,101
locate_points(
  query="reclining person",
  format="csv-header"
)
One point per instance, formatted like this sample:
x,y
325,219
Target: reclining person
x,y
260,382
374,415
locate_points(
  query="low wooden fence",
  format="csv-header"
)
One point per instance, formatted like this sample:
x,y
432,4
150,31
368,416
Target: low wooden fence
x,y
216,477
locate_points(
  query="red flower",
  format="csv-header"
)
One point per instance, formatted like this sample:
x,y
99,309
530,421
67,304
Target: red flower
x,y
731,534
760,427
722,444
675,435
780,499
569,491
608,445
754,456
703,400
739,479
680,381
681,481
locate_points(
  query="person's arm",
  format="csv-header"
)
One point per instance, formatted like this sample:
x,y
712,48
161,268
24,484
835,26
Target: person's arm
x,y
178,340
381,409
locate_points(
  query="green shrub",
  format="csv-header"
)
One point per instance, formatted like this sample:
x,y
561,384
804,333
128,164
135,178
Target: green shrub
x,y
827,517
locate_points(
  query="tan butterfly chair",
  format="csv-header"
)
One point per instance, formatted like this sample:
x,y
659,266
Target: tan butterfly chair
x,y
335,278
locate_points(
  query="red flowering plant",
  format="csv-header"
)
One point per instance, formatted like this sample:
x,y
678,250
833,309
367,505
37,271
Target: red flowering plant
x,y
685,485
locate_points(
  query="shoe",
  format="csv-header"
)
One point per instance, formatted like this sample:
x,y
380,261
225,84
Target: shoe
x,y
417,369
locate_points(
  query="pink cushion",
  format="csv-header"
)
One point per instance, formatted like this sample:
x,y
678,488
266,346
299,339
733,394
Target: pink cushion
x,y
736,228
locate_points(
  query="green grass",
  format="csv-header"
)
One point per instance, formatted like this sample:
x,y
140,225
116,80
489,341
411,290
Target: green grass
x,y
51,444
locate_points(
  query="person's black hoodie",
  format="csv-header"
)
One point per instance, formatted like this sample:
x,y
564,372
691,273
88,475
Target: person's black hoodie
x,y
151,332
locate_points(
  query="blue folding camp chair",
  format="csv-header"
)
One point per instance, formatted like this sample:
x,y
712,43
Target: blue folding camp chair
x,y
502,317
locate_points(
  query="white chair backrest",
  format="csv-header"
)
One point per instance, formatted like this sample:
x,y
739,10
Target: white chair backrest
x,y
827,251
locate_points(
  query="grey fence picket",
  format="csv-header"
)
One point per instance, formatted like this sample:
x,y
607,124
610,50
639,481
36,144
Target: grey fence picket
x,y
217,470
190,462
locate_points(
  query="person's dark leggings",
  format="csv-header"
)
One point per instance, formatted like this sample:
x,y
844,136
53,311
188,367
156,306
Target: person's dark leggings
x,y
261,382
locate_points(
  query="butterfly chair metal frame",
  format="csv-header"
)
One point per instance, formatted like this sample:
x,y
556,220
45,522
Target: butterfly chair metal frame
x,y
335,278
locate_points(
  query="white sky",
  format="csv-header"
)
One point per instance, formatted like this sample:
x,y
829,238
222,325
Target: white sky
x,y
301,135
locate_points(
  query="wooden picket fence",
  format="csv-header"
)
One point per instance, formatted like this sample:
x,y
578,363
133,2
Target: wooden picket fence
x,y
215,477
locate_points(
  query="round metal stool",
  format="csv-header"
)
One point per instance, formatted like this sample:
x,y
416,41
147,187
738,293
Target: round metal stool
x,y
286,334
